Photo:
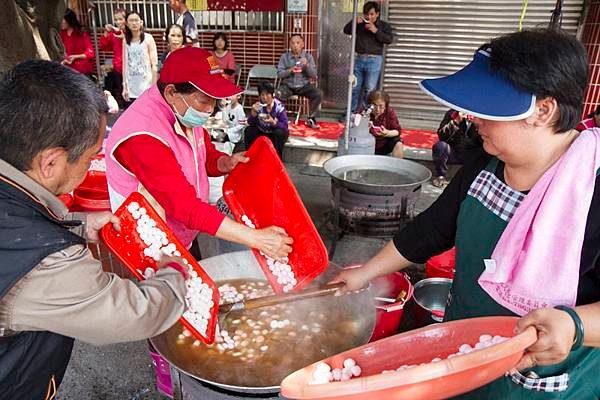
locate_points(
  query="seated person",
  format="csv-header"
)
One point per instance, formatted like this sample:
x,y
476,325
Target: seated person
x,y
384,125
592,121
223,55
235,117
267,118
296,68
455,132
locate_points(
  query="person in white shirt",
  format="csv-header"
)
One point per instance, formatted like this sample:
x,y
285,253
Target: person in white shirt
x,y
235,117
187,20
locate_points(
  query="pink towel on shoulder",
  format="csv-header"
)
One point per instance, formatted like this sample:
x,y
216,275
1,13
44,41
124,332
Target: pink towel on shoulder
x,y
536,262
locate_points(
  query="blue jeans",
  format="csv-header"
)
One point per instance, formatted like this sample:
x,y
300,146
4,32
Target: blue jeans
x,y
367,70
443,154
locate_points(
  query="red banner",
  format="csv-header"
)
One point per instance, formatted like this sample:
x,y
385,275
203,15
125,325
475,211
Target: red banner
x,y
247,5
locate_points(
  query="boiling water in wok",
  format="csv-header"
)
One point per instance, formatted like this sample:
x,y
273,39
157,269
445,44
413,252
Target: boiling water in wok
x,y
267,351
371,176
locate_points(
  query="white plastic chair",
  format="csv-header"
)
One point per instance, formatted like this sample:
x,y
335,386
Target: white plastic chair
x,y
261,72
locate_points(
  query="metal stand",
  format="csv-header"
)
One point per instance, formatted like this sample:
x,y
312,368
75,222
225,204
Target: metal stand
x,y
335,221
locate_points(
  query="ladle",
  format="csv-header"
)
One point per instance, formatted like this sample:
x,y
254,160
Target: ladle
x,y
266,301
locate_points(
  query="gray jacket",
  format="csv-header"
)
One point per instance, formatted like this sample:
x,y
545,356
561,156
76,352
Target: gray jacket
x,y
69,293
296,80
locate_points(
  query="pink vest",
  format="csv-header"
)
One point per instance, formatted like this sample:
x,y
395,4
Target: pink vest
x,y
151,115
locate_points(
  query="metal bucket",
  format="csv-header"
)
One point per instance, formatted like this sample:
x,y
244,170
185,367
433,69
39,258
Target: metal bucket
x,y
431,296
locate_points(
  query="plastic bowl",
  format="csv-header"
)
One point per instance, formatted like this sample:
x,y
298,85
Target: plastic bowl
x,y
439,380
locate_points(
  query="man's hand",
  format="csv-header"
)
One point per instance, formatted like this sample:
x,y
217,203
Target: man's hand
x,y
173,262
95,222
255,108
371,27
555,330
304,62
226,164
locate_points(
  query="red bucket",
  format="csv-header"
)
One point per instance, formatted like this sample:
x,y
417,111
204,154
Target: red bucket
x,y
442,265
90,200
389,315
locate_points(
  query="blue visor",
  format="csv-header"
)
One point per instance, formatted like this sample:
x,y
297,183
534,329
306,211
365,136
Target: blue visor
x,y
477,91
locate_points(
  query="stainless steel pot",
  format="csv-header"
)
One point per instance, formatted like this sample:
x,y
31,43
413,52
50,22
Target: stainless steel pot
x,y
243,264
431,296
361,173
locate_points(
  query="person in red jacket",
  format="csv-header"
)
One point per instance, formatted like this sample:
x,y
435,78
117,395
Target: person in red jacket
x,y
79,52
112,40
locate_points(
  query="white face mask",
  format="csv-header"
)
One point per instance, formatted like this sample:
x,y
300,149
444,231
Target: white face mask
x,y
192,117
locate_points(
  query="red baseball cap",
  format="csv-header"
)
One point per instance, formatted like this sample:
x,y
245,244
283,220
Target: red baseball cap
x,y
200,68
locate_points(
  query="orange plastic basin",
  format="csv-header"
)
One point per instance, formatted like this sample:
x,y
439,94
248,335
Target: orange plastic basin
x,y
439,380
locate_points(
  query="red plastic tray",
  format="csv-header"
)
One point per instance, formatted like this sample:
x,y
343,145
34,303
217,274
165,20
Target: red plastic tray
x,y
262,190
129,248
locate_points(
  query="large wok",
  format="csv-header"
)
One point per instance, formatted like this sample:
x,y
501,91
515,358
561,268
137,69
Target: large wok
x,y
242,264
372,174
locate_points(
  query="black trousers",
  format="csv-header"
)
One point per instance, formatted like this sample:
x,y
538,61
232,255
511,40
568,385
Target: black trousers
x,y
113,82
277,136
313,94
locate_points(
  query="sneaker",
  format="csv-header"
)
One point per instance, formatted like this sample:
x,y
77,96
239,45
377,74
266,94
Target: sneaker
x,y
311,123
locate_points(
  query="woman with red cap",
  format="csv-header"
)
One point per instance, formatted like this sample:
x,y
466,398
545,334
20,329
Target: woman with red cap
x,y
158,147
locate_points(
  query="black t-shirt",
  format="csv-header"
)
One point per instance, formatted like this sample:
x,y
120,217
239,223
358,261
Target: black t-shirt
x,y
434,230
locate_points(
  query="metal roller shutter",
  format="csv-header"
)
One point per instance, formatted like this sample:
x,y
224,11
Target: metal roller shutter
x,y
436,37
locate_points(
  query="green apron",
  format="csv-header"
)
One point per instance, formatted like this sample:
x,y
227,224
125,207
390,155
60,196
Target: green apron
x,y
478,230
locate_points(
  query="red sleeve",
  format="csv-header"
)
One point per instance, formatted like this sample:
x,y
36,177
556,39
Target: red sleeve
x,y
89,49
212,156
156,167
392,121
106,43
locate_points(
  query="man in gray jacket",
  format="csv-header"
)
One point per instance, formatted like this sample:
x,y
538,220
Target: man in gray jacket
x,y
52,123
296,69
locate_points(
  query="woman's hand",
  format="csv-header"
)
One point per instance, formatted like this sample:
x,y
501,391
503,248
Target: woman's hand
x,y
354,279
273,241
95,221
270,120
125,94
555,330
255,108
226,164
